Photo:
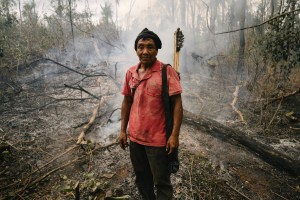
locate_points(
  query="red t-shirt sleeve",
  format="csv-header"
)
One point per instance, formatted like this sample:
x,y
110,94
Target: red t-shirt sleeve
x,y
173,82
126,91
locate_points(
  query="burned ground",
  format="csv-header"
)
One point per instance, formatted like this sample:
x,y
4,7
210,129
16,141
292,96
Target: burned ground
x,y
41,121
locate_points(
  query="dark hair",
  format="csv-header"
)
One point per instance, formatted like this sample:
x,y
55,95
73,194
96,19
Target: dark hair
x,y
148,34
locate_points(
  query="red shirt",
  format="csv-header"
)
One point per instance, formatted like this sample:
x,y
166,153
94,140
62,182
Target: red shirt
x,y
147,118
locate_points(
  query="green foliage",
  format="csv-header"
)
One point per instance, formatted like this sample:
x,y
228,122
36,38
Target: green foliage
x,y
281,42
5,152
5,155
90,186
20,40
28,37
8,32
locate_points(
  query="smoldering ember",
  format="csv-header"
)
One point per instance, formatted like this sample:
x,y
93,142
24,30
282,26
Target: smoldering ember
x,y
62,70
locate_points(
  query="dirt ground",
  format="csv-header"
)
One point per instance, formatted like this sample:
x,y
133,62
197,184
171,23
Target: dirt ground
x,y
40,159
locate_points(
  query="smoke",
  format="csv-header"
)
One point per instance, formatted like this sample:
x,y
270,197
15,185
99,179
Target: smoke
x,y
199,61
107,133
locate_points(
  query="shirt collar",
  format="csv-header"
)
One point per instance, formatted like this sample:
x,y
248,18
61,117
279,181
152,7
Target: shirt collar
x,y
157,66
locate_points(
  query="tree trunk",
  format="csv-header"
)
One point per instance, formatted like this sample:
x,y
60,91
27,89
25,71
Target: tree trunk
x,y
232,22
213,15
20,11
266,153
240,64
231,15
273,5
71,22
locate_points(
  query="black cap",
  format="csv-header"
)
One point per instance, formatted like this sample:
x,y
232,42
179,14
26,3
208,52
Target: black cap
x,y
148,34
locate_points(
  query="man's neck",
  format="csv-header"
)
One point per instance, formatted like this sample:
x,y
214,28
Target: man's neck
x,y
147,66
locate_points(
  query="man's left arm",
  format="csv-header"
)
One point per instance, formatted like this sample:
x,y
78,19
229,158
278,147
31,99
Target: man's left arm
x,y
173,141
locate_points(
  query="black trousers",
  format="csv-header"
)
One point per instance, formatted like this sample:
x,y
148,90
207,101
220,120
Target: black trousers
x,y
150,165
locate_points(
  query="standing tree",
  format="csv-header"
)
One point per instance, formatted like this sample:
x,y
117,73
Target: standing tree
x,y
108,29
281,43
106,13
273,4
240,64
9,34
117,5
30,27
71,23
57,24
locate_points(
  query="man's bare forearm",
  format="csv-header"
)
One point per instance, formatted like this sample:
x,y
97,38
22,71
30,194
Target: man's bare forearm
x,y
177,114
125,112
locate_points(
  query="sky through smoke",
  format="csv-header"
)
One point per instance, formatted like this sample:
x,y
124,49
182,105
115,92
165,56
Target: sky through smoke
x,y
124,7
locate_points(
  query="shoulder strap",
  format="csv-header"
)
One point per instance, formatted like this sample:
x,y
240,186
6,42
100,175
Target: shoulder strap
x,y
166,102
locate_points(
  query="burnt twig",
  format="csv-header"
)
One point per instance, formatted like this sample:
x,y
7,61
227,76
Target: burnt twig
x,y
238,192
89,124
81,89
73,70
46,175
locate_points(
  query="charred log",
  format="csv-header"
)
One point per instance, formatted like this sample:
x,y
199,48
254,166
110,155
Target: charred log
x,y
266,153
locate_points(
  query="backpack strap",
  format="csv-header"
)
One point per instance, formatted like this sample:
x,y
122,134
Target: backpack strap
x,y
173,161
167,102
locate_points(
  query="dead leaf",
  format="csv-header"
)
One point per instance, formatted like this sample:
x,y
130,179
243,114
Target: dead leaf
x,y
108,175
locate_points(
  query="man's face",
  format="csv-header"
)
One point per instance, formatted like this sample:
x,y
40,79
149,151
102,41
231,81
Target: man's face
x,y
146,51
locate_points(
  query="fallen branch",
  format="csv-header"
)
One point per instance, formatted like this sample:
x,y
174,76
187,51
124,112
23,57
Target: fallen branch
x,y
70,99
52,102
235,95
81,89
278,195
55,158
125,197
83,123
272,100
9,144
267,153
91,121
112,112
106,146
59,64
41,107
294,128
103,114
46,175
77,191
39,168
238,192
282,97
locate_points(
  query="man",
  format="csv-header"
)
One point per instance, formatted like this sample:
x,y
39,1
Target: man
x,y
142,107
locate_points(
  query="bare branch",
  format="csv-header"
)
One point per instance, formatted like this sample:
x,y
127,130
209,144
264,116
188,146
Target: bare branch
x,y
283,14
81,89
90,123
87,75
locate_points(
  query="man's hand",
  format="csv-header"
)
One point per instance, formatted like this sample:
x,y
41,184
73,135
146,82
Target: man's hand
x,y
123,140
173,141
172,144
125,111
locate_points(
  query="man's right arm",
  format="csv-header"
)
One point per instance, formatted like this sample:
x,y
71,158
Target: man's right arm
x,y
125,112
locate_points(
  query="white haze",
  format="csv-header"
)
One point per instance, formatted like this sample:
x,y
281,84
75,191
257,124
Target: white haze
x,y
125,8
153,15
